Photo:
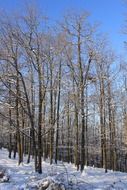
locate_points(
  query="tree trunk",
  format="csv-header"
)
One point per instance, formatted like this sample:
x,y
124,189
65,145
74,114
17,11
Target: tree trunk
x,y
58,108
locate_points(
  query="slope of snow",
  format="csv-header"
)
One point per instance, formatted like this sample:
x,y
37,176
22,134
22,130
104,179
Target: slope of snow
x,y
23,177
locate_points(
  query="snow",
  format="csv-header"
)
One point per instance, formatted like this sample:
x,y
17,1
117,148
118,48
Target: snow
x,y
62,176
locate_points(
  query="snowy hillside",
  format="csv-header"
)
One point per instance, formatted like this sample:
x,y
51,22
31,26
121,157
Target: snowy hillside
x,y
23,177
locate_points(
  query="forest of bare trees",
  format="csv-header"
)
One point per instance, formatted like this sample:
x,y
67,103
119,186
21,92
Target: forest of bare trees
x,y
63,92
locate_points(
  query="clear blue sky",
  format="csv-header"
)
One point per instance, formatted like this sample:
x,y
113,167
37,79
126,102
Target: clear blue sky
x,y
110,13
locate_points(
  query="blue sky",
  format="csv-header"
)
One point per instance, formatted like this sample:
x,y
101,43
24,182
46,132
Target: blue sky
x,y
110,13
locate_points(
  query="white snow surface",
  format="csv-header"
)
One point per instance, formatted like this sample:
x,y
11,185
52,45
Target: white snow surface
x,y
23,177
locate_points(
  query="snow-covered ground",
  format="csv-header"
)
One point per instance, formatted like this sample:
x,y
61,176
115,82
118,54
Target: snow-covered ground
x,y
23,177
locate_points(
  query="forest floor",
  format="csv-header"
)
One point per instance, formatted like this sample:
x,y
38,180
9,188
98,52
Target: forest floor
x,y
23,177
